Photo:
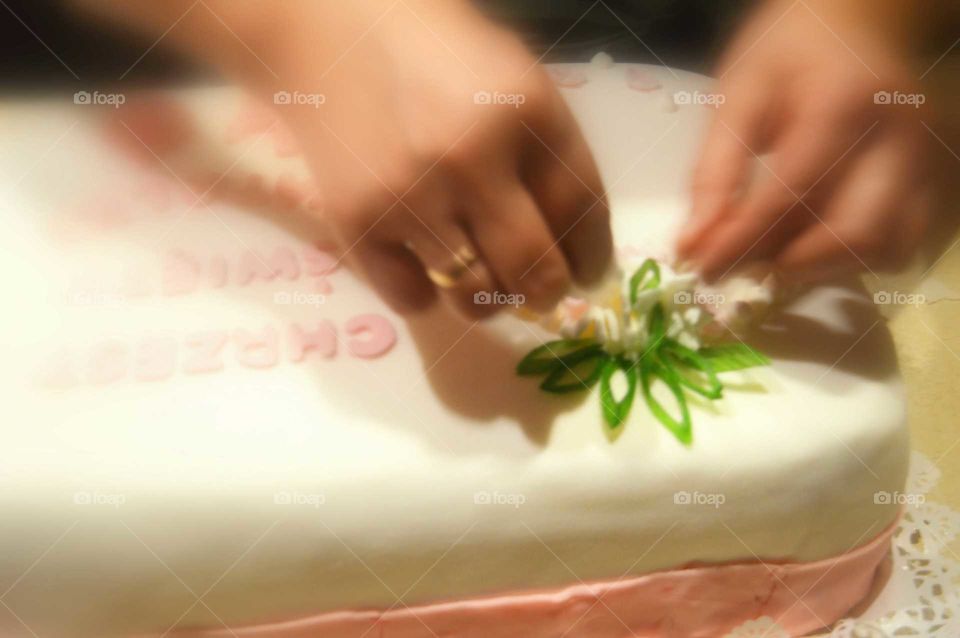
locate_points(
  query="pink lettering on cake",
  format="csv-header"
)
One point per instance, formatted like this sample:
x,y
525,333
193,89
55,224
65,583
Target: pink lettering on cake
x,y
218,271
321,340
109,362
155,359
180,274
58,372
203,352
257,350
318,262
371,336
159,357
283,262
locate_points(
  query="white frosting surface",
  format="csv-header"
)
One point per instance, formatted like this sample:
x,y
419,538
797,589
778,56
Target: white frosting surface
x,y
274,489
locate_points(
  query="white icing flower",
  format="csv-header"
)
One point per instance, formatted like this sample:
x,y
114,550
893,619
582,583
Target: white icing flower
x,y
623,327
693,311
742,299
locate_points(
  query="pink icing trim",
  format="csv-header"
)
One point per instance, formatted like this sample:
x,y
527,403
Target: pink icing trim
x,y
566,77
640,79
378,336
698,602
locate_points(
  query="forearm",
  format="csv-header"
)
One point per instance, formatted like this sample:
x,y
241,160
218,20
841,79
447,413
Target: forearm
x,y
266,42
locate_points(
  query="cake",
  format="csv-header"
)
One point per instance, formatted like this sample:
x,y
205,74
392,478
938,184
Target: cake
x,y
214,428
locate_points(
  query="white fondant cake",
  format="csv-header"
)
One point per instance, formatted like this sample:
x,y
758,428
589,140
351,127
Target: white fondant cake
x,y
209,422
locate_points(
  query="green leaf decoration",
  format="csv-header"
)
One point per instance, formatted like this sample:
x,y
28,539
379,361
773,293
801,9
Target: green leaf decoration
x,y
688,365
615,412
545,358
657,327
733,356
647,277
576,371
650,371
575,365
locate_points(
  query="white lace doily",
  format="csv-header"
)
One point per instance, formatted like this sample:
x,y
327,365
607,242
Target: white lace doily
x,y
922,595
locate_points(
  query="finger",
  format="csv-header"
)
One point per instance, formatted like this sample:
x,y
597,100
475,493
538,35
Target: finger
x,y
569,192
463,279
865,226
519,248
724,165
774,211
396,274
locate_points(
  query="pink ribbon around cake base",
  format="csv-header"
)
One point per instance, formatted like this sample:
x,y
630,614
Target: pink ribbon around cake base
x,y
696,602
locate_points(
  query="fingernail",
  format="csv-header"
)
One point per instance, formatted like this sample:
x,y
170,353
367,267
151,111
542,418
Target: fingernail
x,y
686,266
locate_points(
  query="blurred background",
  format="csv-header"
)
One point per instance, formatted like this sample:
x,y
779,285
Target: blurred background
x,y
685,34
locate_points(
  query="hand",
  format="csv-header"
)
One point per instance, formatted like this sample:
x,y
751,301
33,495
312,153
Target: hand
x,y
417,177
842,185
429,185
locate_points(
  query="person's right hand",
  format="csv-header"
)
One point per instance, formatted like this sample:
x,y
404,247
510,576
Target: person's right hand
x,y
421,175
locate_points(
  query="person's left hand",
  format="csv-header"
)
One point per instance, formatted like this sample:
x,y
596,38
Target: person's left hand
x,y
841,184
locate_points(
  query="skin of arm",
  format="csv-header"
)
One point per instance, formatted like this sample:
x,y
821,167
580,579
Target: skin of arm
x,y
418,177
